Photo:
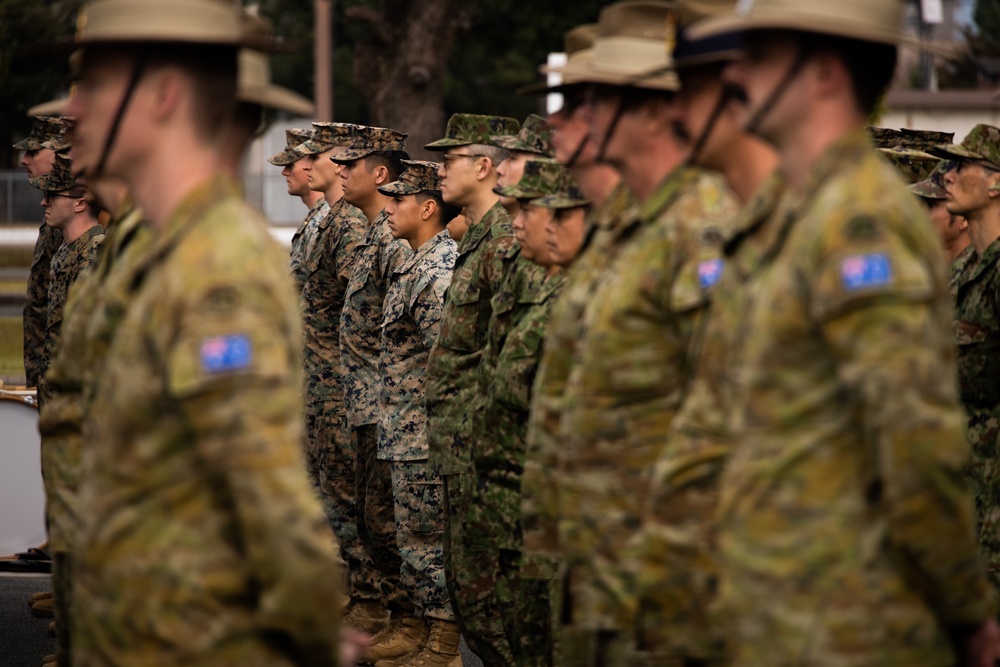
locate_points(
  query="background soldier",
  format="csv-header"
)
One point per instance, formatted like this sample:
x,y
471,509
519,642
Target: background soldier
x,y
953,229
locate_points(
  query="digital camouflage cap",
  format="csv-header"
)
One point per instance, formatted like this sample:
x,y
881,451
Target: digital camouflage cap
x,y
913,165
932,187
883,137
465,129
47,132
923,140
535,136
982,143
540,177
419,176
370,140
293,137
60,179
327,135
567,194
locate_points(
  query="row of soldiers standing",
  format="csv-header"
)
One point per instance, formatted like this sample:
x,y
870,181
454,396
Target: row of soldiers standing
x,y
544,438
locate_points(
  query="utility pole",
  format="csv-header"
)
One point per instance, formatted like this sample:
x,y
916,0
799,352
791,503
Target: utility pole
x,y
323,59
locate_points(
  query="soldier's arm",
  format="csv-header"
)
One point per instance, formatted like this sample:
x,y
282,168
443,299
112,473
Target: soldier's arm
x,y
427,304
233,367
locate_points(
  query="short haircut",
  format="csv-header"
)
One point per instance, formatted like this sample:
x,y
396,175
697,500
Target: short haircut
x,y
448,211
494,153
869,64
391,160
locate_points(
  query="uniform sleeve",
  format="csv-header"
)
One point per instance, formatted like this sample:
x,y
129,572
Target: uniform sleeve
x,y
888,328
427,304
234,370
342,251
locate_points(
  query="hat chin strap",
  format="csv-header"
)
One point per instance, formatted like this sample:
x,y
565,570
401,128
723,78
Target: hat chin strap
x,y
578,152
753,125
619,112
133,82
729,92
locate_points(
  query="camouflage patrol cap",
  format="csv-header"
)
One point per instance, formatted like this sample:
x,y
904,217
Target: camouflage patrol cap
x,y
60,179
370,140
567,194
293,138
326,135
922,140
932,187
419,176
540,178
982,143
140,21
465,129
913,165
883,137
46,132
535,136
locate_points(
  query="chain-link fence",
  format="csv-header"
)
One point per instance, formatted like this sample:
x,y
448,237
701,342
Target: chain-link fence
x,y
20,204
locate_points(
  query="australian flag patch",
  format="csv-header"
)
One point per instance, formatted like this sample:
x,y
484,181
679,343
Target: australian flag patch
x,y
863,271
709,272
226,354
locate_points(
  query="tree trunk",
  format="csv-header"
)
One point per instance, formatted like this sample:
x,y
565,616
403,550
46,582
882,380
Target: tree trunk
x,y
401,68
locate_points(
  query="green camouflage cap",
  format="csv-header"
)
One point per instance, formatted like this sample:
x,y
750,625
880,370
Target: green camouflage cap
x,y
932,187
47,132
465,129
419,176
60,179
883,137
535,136
293,138
923,140
912,164
327,135
370,140
567,195
540,178
982,143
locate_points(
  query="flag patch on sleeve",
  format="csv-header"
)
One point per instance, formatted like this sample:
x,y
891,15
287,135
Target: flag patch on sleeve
x,y
861,271
709,272
225,354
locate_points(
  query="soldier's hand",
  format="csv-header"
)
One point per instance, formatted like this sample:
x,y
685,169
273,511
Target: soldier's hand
x,y
353,642
982,647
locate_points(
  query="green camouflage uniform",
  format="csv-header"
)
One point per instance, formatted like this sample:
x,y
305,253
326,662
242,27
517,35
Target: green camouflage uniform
x,y
410,319
46,133
628,376
846,536
93,309
202,542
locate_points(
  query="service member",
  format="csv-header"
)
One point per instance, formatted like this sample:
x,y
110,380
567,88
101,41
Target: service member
x,y
952,228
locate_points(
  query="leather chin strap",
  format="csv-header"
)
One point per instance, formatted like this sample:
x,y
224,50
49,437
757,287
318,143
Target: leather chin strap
x,y
729,92
109,142
579,151
753,125
619,112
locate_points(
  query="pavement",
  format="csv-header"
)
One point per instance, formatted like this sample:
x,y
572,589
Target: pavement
x,y
24,639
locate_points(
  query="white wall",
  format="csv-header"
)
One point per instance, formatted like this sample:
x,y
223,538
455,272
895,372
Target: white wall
x,y
959,121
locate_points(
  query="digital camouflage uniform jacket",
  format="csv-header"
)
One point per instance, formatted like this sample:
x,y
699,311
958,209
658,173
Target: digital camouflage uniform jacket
x,y
410,319
202,542
36,303
93,309
379,254
304,239
452,381
70,260
842,502
629,374
977,335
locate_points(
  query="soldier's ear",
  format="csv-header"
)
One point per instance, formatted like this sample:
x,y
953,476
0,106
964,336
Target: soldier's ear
x,y
428,208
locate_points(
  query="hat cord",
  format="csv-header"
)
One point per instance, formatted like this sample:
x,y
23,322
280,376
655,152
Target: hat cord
x,y
574,158
753,125
619,112
109,142
729,92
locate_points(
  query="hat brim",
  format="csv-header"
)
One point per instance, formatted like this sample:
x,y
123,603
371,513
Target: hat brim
x,y
351,154
29,144
275,97
927,190
285,158
514,144
953,151
398,189
445,144
559,201
656,79
50,108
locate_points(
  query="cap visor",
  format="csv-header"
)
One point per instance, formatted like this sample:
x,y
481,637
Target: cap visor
x,y
955,151
398,188
445,144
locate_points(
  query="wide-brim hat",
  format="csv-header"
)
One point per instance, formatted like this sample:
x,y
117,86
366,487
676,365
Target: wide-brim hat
x,y
169,21
254,86
418,176
878,21
575,41
50,108
981,143
913,165
634,47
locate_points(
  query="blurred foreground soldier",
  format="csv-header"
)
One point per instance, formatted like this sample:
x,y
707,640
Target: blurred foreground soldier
x,y
201,541
40,147
68,212
468,175
631,363
972,188
952,228
410,320
676,563
297,181
845,531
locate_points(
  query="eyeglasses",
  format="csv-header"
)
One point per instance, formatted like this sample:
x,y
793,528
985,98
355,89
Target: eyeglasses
x,y
985,165
446,159
46,196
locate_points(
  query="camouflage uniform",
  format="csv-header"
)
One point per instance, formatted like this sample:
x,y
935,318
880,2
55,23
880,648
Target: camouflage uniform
x,y
201,539
46,133
93,309
410,319
628,377
843,505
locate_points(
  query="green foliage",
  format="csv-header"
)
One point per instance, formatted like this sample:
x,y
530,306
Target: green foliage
x,y
978,67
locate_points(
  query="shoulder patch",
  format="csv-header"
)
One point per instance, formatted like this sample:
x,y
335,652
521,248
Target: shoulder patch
x,y
225,354
869,270
709,272
862,227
